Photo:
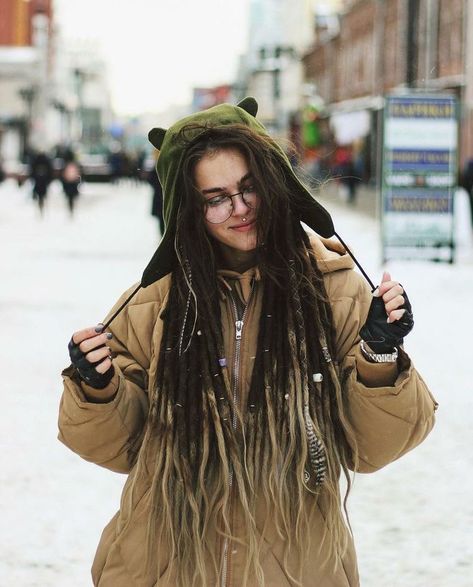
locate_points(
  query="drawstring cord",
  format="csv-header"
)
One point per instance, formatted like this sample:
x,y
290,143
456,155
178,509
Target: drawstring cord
x,y
365,275
115,314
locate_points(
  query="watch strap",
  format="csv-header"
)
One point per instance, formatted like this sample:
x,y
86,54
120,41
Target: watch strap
x,y
378,357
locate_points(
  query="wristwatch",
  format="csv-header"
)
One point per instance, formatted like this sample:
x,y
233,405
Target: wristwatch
x,y
378,357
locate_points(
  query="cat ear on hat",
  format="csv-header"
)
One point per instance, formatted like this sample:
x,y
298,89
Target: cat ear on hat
x,y
156,137
249,105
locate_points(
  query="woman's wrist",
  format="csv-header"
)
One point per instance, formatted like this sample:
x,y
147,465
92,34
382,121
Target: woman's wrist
x,y
373,357
104,395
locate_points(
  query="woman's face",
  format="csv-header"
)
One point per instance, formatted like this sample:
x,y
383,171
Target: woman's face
x,y
226,172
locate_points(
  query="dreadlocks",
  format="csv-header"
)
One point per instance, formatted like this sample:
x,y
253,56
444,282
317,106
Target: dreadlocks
x,y
288,446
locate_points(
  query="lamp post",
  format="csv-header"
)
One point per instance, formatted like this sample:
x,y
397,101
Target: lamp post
x,y
468,105
80,76
411,42
28,95
64,114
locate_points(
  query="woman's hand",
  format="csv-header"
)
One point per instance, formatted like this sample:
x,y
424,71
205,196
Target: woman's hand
x,y
389,318
392,294
91,356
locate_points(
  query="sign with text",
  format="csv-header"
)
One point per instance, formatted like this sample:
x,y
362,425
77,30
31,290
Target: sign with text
x,y
419,176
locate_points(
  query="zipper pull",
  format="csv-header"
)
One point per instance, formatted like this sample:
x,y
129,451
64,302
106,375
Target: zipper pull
x,y
238,329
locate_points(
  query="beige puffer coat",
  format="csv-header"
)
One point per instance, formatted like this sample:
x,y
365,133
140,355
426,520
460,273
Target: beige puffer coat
x,y
391,413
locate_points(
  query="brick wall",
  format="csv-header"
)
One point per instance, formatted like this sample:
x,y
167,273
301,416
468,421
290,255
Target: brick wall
x,y
451,38
15,20
355,59
393,54
369,55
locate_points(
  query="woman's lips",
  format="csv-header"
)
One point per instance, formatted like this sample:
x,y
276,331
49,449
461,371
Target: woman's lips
x,y
243,227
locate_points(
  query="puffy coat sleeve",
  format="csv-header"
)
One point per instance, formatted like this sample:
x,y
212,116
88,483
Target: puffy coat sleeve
x,y
390,408
110,434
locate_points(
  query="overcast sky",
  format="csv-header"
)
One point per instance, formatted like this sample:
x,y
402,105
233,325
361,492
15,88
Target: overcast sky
x,y
157,50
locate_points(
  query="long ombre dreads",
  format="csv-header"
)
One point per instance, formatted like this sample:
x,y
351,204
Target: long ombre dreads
x,y
292,440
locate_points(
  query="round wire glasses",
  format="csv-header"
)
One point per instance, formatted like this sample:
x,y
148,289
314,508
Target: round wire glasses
x,y
220,208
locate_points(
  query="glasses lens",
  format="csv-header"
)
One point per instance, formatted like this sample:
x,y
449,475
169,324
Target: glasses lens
x,y
249,198
218,209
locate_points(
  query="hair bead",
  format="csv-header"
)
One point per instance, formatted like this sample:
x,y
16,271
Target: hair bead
x,y
326,354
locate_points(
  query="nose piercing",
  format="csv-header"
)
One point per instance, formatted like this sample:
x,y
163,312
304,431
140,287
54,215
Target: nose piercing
x,y
244,219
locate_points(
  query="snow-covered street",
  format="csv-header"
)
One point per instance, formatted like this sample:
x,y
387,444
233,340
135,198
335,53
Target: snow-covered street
x,y
412,521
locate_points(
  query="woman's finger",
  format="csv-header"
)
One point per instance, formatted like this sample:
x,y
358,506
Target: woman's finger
x,y
395,315
104,366
396,290
394,304
92,343
84,334
98,354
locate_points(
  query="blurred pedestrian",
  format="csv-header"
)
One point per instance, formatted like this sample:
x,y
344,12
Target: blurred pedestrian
x,y
250,368
70,179
345,172
157,201
116,162
41,174
466,181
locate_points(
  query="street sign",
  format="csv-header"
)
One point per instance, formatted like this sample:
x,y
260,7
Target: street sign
x,y
419,176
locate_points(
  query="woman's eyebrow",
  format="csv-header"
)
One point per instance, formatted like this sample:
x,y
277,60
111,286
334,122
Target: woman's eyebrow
x,y
218,190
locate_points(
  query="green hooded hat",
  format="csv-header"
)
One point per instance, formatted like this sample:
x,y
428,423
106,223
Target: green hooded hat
x,y
171,153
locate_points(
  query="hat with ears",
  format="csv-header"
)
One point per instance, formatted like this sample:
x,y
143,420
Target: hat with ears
x,y
171,152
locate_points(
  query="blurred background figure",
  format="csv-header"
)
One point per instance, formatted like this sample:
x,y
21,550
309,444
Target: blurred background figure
x,y
153,180
344,169
70,176
41,175
119,163
466,182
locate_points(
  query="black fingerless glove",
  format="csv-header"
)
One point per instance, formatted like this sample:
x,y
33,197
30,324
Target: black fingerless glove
x,y
87,370
381,336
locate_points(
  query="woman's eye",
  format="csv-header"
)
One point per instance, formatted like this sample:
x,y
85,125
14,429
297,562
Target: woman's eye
x,y
217,200
249,189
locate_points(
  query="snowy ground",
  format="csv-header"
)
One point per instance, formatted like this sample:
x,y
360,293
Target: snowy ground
x,y
412,521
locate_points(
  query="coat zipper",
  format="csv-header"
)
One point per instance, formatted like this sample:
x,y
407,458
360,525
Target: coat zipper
x,y
239,323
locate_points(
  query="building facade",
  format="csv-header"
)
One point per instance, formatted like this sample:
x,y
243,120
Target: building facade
x,y
384,46
26,60
280,31
16,23
53,92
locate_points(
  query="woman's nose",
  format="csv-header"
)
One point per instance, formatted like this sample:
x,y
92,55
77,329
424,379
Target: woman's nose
x,y
239,205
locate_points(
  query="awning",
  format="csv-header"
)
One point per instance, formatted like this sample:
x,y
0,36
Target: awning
x,y
350,126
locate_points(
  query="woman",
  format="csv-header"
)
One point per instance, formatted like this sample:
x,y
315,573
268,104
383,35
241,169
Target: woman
x,y
232,385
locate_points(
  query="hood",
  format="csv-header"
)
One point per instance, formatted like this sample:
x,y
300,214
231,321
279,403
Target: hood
x,y
171,153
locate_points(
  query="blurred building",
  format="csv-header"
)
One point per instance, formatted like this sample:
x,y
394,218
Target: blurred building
x,y
16,24
26,54
381,46
203,98
280,31
82,96
52,92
